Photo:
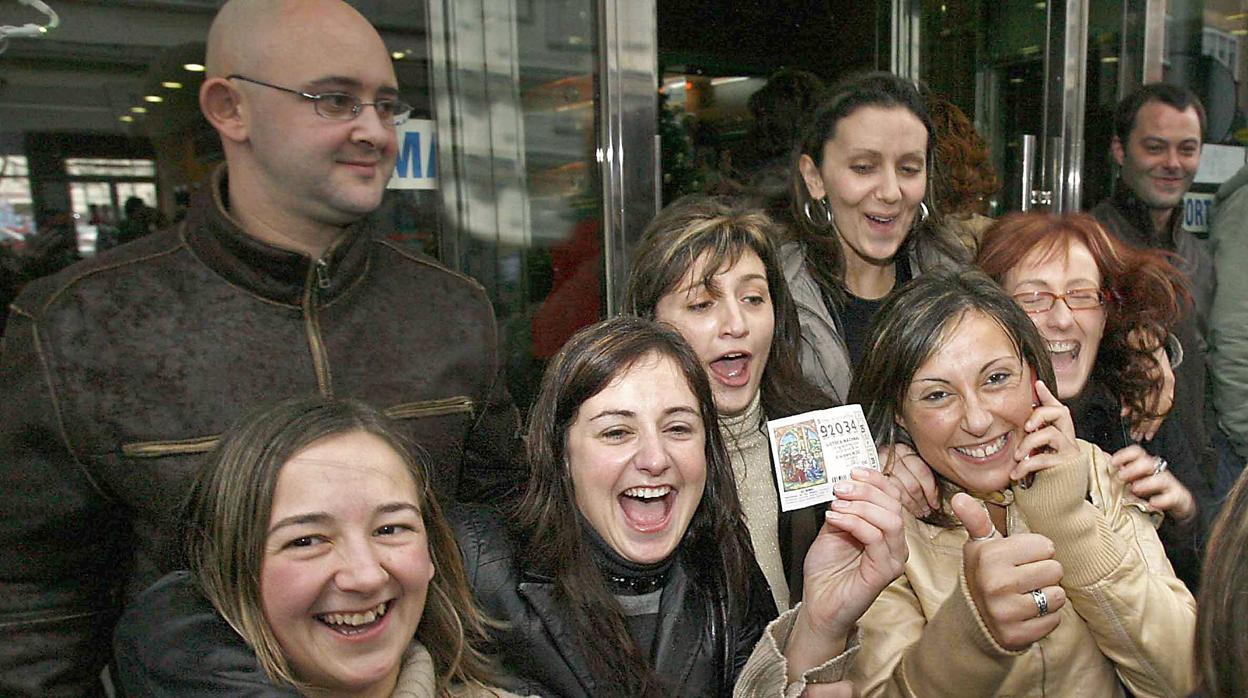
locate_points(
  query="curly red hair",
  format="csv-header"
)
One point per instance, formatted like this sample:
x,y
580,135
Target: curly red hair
x,y
1146,294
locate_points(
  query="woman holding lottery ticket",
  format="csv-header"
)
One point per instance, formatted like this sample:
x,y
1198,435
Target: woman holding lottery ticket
x,y
708,268
1039,573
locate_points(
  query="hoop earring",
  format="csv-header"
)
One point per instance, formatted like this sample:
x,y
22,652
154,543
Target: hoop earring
x,y
923,212
827,213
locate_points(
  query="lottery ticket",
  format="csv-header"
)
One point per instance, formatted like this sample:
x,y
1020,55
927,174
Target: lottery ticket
x,y
813,451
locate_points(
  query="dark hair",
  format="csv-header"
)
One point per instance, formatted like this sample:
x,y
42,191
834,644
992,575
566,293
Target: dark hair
x,y
716,546
1146,293
822,251
780,108
132,206
1173,95
227,519
1222,609
962,177
912,326
698,225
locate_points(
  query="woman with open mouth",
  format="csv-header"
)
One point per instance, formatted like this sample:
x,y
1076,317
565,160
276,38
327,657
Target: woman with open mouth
x,y
1039,573
627,569
862,220
709,269
1105,311
312,535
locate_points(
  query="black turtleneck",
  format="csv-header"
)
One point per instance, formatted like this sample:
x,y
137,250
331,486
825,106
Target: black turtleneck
x,y
638,587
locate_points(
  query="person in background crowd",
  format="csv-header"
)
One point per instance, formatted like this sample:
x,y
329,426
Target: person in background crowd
x,y
708,268
140,220
1228,318
1158,131
314,532
1039,573
963,181
122,372
780,110
859,223
1221,640
1105,311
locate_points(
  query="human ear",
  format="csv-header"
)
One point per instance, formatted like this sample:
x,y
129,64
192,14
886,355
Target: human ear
x,y
1115,149
221,105
810,174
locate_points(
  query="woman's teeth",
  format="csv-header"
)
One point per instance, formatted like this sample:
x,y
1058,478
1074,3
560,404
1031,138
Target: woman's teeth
x,y
648,492
984,450
1062,346
881,219
354,619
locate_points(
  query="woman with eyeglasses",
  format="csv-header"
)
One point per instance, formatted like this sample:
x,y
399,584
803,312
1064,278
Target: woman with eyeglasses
x,y
1106,310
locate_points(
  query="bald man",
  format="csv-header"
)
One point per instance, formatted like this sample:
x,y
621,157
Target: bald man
x,y
121,372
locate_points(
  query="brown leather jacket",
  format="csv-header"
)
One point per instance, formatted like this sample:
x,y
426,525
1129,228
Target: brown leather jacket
x,y
121,372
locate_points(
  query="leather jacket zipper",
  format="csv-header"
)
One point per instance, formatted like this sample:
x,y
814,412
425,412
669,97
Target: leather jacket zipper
x,y
181,447
431,408
319,271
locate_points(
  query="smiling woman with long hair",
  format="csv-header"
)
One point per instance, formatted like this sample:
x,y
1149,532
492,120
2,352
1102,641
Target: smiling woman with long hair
x,y
1039,572
313,534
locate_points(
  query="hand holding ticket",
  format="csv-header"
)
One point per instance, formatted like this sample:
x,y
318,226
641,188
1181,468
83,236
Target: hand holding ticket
x,y
815,450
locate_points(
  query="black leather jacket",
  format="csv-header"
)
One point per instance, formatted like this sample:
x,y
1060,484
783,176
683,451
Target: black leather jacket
x,y
172,643
120,373
701,646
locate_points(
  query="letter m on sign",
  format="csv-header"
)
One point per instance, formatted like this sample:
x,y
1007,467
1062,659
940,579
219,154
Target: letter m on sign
x,y
415,166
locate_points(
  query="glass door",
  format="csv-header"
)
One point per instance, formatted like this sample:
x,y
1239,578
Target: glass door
x,y
1019,69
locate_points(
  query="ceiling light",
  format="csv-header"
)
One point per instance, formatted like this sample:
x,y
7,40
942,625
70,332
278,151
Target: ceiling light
x,y
193,67
397,55
1109,59
126,118
139,110
154,99
171,85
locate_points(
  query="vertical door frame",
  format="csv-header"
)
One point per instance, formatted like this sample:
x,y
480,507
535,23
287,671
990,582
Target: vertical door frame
x,y
628,119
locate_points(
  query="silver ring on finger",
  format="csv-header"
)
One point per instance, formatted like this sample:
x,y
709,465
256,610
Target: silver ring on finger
x,y
980,539
1160,466
1042,602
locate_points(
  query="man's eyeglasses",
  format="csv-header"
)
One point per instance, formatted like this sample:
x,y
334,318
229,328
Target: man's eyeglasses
x,y
341,106
1075,299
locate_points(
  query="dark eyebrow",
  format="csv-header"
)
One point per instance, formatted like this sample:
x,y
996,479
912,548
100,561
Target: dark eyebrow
x,y
629,414
342,82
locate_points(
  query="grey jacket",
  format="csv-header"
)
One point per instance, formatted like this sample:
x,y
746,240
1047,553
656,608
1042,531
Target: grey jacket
x,y
823,354
1228,319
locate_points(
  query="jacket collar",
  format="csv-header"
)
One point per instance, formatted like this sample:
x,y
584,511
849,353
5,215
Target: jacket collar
x,y
1137,214
684,616
270,272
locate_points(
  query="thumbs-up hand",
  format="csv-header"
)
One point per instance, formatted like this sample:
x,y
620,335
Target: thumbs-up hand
x,y
1013,581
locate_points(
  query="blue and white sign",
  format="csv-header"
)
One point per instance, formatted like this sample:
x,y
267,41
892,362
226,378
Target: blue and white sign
x,y
1197,212
417,165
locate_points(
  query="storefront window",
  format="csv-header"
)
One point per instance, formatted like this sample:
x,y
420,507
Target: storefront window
x,y
16,212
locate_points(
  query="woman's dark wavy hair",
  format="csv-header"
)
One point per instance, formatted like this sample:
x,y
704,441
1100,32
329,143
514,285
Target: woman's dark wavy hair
x,y
1222,608
963,179
227,519
716,547
1146,293
912,326
698,225
821,249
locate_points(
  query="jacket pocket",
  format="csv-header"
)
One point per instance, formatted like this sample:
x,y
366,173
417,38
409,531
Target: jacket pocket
x,y
177,447
459,404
